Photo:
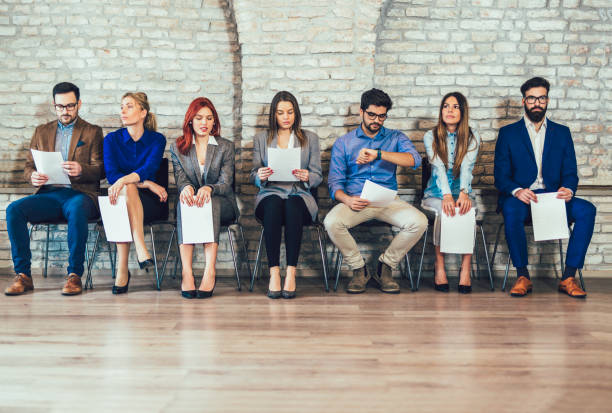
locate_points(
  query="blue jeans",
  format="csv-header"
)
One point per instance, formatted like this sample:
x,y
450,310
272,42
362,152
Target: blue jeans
x,y
50,205
579,211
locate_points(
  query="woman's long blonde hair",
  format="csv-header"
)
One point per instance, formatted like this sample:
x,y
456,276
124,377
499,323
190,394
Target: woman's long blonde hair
x,y
464,134
150,123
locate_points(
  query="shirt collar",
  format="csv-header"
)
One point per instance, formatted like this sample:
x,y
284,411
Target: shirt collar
x,y
530,125
61,126
382,133
211,141
127,137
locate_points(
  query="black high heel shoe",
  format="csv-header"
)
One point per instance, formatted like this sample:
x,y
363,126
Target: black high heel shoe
x,y
124,289
146,264
189,294
207,294
288,294
464,289
441,287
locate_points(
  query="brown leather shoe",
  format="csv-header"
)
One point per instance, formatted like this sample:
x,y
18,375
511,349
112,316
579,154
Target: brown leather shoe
x,y
21,284
570,287
521,287
73,285
358,283
384,278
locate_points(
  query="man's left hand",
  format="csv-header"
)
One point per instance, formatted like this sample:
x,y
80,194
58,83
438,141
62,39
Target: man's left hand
x,y
72,168
565,194
366,156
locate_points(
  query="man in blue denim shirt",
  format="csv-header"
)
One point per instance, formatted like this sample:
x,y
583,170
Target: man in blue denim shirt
x,y
373,153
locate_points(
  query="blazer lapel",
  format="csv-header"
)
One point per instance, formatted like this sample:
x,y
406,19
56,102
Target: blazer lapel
x,y
211,150
76,136
548,142
195,165
49,144
524,135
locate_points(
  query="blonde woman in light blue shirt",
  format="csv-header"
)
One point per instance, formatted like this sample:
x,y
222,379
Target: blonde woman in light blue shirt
x,y
452,148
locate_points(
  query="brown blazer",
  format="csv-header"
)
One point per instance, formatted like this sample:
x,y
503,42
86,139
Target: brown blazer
x,y
85,148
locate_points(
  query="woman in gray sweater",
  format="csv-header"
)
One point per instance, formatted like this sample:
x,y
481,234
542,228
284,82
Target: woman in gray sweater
x,y
285,203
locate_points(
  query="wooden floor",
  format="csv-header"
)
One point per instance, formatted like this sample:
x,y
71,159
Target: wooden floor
x,y
322,352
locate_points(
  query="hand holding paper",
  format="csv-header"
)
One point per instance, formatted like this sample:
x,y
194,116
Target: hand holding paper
x,y
378,195
549,217
50,164
283,162
115,219
197,223
457,232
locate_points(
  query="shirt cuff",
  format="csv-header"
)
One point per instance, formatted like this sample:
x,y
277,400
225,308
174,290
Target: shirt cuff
x,y
514,191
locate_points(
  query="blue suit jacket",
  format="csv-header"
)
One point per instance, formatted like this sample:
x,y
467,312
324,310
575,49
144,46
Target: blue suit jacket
x,y
515,164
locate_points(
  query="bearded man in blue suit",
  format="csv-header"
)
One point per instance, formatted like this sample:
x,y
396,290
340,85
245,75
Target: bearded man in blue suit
x,y
532,156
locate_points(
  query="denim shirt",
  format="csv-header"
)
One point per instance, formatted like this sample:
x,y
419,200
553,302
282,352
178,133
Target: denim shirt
x,y
442,181
346,174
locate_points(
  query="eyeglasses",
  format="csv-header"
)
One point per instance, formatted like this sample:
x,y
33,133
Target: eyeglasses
x,y
532,99
373,116
70,107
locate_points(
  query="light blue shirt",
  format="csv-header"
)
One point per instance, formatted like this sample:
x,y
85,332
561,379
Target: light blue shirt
x,y
346,174
442,181
63,136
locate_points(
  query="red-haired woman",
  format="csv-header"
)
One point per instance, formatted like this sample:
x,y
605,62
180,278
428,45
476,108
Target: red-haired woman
x,y
204,172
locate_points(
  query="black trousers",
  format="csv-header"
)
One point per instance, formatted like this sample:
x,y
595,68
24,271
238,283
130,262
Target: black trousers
x,y
275,212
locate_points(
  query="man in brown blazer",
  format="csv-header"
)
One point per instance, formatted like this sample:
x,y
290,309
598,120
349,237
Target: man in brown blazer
x,y
80,144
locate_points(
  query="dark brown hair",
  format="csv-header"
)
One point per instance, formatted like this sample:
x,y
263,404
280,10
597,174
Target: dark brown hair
x,y
285,96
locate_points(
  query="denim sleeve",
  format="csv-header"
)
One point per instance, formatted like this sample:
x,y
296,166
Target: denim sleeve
x,y
405,145
467,166
337,169
438,170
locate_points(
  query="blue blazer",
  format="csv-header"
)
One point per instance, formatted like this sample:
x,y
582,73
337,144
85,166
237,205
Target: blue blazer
x,y
515,164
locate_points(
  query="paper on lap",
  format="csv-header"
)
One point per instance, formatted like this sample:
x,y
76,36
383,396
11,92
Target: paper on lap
x,y
457,232
378,195
549,217
115,219
197,223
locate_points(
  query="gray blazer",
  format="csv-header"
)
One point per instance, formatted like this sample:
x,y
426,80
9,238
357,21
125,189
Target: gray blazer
x,y
218,170
310,159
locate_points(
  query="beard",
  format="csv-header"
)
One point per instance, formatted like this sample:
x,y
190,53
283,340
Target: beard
x,y
537,115
368,126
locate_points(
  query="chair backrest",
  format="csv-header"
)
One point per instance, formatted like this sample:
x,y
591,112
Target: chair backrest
x,y
425,174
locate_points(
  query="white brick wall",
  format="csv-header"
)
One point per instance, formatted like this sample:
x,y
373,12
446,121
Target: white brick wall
x,y
240,53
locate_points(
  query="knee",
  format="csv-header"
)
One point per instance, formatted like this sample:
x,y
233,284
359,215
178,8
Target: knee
x,y
131,190
12,210
514,211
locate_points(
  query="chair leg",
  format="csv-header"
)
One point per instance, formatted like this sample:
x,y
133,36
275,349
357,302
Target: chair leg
x,y
581,280
163,273
46,253
338,267
257,260
245,250
409,270
88,279
421,261
506,274
231,240
484,243
476,253
496,243
323,258
157,279
561,257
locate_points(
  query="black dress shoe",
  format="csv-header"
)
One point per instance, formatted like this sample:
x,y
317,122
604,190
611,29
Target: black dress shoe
x,y
288,294
464,289
189,294
441,287
274,294
207,294
146,264
124,289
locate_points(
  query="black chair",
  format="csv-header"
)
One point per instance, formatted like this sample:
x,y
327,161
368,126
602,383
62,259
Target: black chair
x,y
224,225
431,216
161,178
529,223
373,223
88,260
317,225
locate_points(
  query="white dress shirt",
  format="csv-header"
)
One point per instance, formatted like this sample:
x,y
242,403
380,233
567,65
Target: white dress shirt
x,y
537,143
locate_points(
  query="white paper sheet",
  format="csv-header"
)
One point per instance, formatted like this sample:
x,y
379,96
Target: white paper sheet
x,y
283,162
457,233
50,164
197,224
549,217
378,195
115,219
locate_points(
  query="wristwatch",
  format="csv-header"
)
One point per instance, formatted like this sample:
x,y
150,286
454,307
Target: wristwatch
x,y
379,156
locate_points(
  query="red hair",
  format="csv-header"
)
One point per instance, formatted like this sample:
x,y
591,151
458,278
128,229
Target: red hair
x,y
184,142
